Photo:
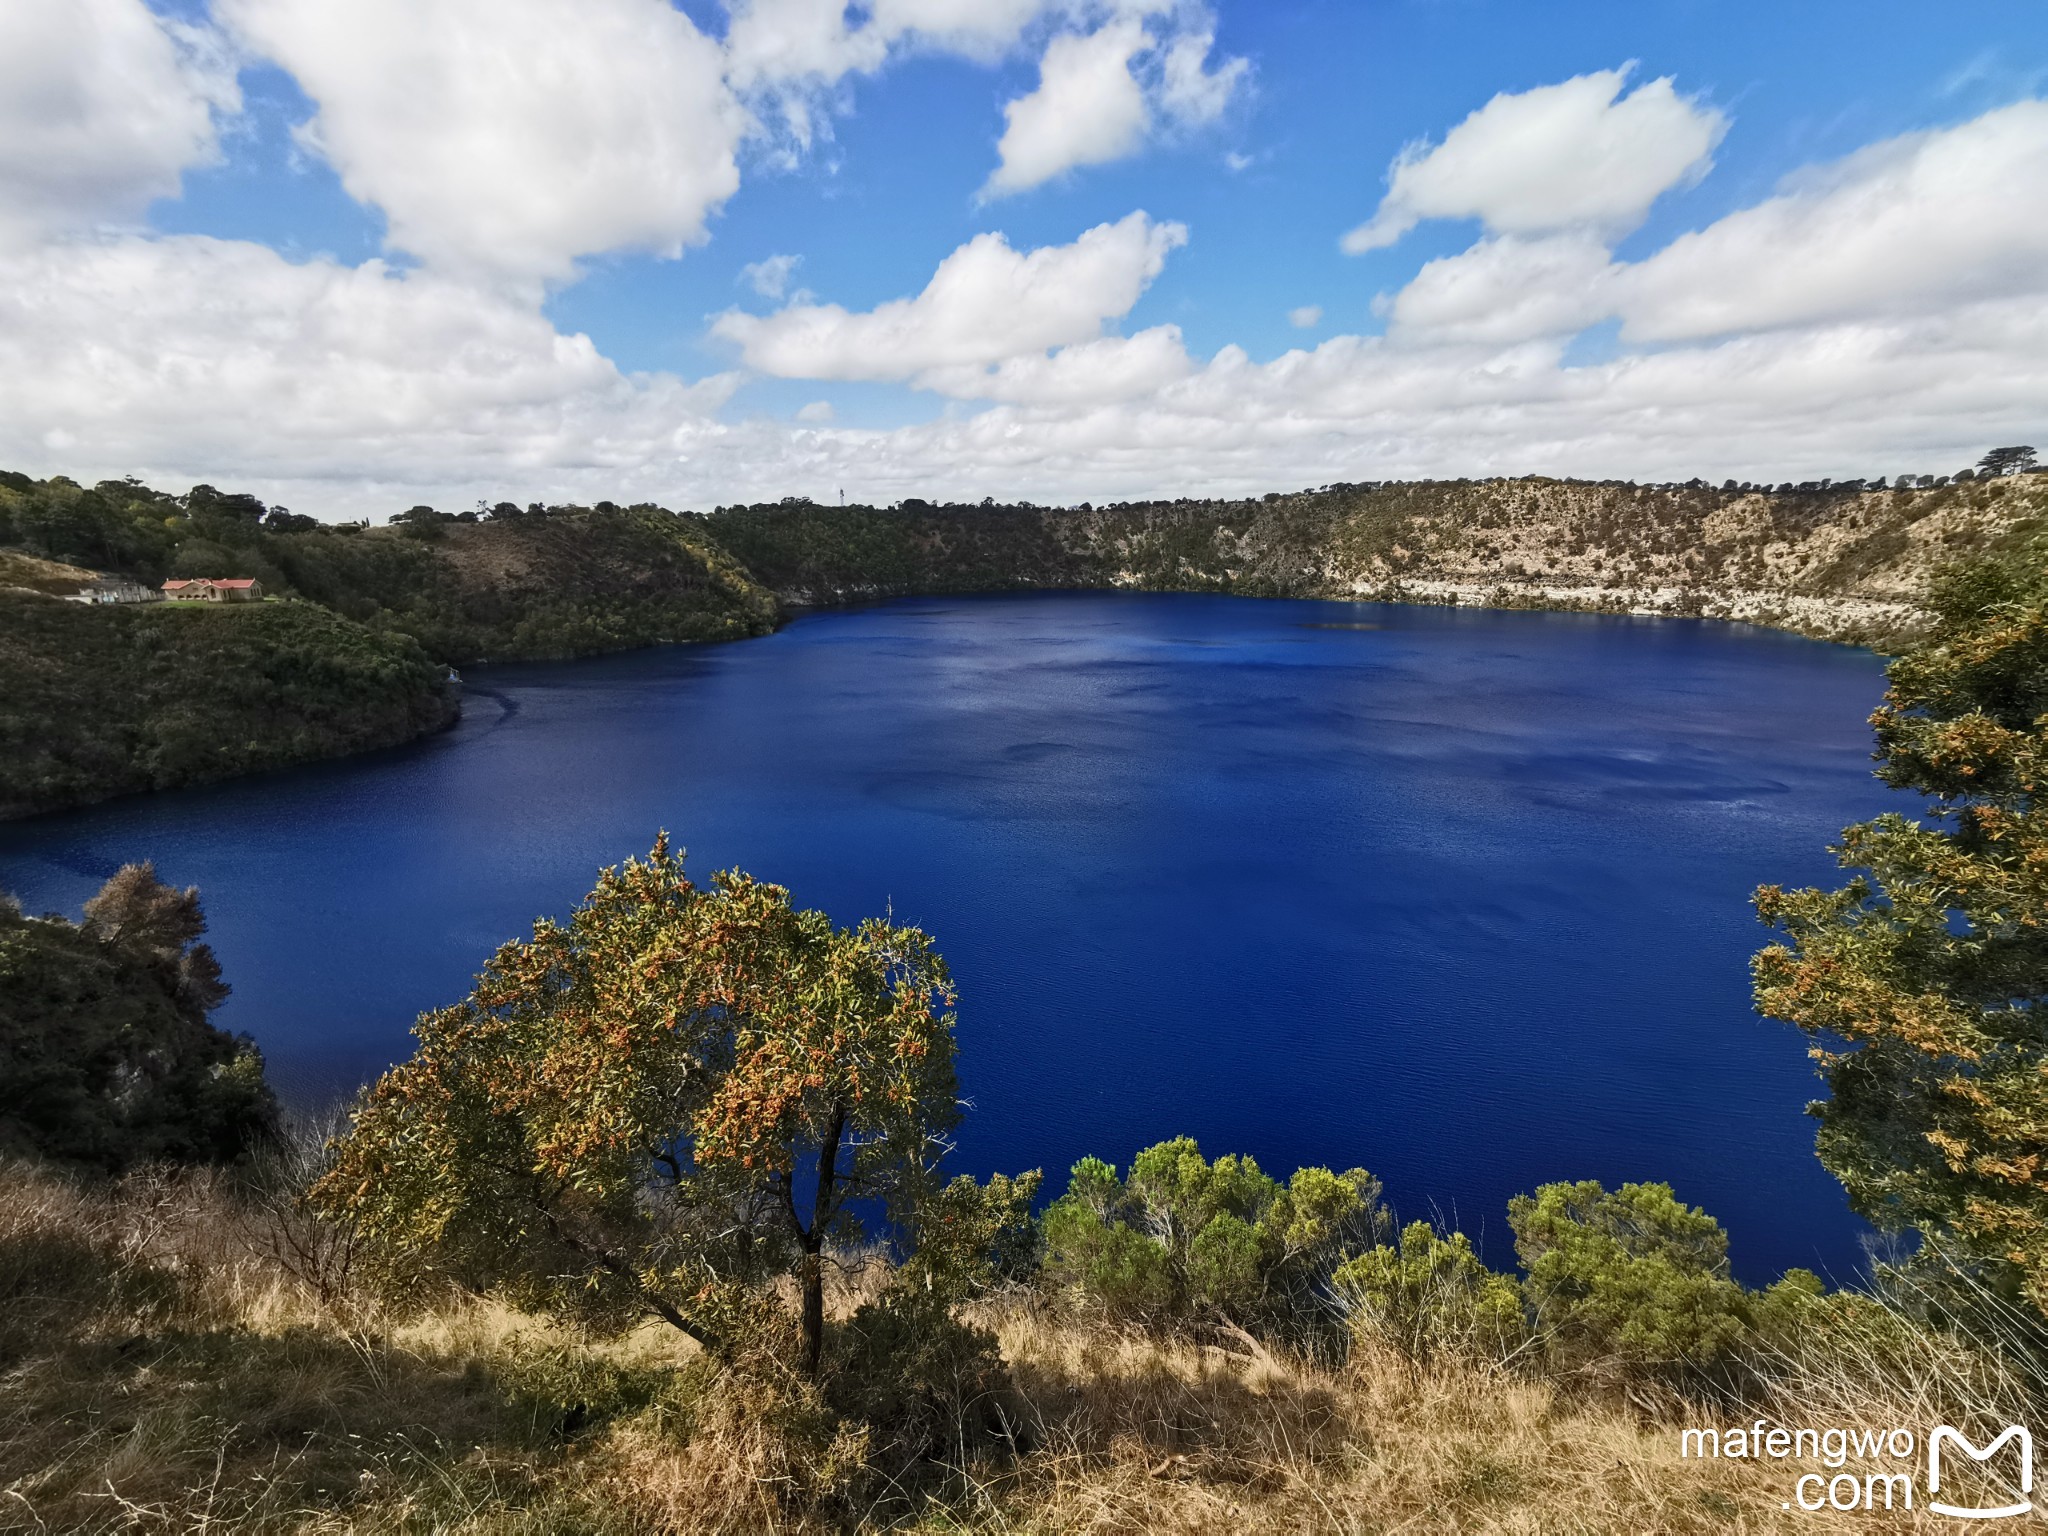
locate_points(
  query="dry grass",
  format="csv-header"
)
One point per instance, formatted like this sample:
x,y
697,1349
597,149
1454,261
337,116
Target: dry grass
x,y
1145,1435
161,1370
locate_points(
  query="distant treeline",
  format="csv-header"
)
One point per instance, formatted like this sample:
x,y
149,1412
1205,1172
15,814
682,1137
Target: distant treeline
x,y
1844,559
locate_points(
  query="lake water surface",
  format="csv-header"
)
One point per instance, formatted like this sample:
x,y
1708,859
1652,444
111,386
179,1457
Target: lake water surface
x,y
1460,897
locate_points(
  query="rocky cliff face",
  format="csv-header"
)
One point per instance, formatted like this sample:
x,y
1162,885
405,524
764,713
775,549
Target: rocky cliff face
x,y
1837,564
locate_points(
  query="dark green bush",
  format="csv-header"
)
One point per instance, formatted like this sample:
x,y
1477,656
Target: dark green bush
x,y
1184,1240
1431,1296
107,1056
1636,1282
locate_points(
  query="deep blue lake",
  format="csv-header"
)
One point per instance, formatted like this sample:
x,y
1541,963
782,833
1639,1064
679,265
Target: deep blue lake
x,y
1460,897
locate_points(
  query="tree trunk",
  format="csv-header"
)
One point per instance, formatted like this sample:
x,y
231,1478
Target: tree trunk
x,y
812,1273
812,1276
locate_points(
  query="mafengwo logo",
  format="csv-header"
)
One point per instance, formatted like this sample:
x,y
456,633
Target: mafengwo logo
x,y
1965,1480
2015,1435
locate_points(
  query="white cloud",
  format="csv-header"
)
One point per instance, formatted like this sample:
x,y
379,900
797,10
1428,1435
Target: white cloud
x,y
506,138
1507,289
1189,90
775,42
1108,369
1088,109
102,105
1908,226
1915,225
770,276
1578,155
986,304
219,359
346,391
1889,311
1306,318
1102,93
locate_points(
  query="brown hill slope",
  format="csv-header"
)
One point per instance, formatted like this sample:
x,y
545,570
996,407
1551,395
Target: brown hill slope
x,y
1842,565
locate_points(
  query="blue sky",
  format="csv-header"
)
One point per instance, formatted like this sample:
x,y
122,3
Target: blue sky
x,y
330,306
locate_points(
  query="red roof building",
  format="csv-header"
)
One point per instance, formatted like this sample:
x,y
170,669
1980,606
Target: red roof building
x,y
216,589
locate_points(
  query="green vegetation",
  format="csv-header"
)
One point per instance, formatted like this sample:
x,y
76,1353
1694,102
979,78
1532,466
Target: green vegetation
x,y
107,1057
171,1364
593,1259
1849,560
814,554
102,700
544,582
655,1108
590,1261
1630,1285
1183,1240
513,583
1844,560
1924,981
106,700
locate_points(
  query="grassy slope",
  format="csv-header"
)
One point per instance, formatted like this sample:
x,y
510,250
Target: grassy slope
x,y
32,573
105,700
565,583
163,1369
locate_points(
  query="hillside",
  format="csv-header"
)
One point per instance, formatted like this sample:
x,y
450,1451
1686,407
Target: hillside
x,y
169,1350
1839,564
349,665
545,583
97,701
531,583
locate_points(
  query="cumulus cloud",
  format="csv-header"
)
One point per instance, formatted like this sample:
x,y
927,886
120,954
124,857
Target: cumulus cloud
x,y
1915,225
770,276
506,138
1088,109
986,304
788,56
102,105
1101,94
1578,155
1108,369
221,358
1508,289
1908,226
1881,313
1189,89
346,391
1306,318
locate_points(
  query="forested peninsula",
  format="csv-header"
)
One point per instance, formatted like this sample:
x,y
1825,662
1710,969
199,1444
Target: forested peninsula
x,y
354,646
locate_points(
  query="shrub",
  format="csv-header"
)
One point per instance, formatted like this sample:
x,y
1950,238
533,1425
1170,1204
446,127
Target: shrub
x,y
1636,1282
1431,1296
108,1058
932,1390
1187,1240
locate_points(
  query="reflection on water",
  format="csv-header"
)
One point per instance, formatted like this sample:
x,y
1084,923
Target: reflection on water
x,y
1458,897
